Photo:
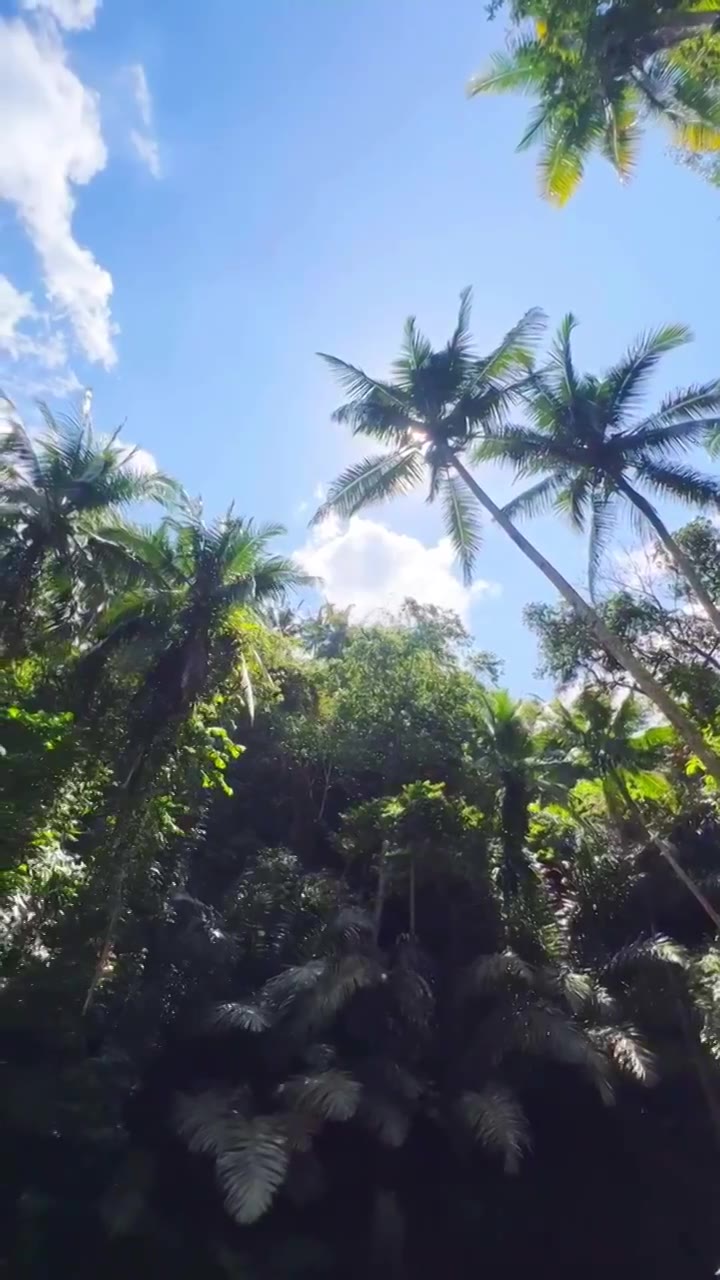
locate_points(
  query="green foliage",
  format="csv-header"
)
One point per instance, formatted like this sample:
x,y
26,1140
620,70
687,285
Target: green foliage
x,y
599,72
363,932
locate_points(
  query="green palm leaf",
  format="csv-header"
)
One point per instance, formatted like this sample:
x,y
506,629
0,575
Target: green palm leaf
x,y
462,523
510,72
375,479
627,380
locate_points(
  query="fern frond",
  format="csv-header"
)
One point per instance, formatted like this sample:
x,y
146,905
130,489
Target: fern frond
x,y
235,1017
252,1167
330,1095
495,1118
202,1119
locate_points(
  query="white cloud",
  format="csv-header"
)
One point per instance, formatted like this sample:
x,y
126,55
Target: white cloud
x,y
141,93
15,307
25,332
74,15
51,143
147,150
143,139
365,564
141,461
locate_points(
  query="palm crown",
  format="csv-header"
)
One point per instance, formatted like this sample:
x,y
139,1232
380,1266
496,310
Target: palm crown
x,y
56,491
195,575
432,406
585,432
599,70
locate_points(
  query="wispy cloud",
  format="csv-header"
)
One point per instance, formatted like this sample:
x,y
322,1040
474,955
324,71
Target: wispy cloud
x,y
74,15
143,137
367,565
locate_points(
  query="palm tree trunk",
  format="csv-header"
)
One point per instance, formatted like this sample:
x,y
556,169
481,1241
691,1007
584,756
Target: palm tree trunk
x,y
682,562
614,646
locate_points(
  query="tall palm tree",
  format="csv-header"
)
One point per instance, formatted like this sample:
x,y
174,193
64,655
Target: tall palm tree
x,y
605,741
198,576
598,71
584,431
436,405
55,491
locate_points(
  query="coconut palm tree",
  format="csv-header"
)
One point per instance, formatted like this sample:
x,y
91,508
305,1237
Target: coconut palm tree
x,y
435,406
598,71
606,741
55,492
584,430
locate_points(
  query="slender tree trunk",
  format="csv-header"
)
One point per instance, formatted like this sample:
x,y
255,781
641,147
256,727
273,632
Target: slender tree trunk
x,y
380,895
412,895
682,562
614,646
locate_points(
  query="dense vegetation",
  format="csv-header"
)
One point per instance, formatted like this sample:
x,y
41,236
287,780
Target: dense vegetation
x,y
322,954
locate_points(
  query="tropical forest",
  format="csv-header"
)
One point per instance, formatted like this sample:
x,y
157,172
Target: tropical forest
x,y
325,951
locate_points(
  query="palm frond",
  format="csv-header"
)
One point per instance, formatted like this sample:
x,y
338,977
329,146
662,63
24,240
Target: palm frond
x,y
462,523
495,1118
536,500
517,348
528,450
627,1051
375,479
460,341
653,951
621,136
415,352
601,526
359,384
549,1034
698,403
562,166
561,355
626,381
576,498
682,483
510,72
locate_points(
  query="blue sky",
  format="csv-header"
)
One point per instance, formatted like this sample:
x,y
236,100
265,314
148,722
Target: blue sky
x,y
196,198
